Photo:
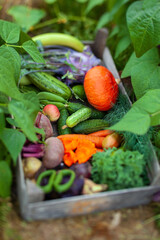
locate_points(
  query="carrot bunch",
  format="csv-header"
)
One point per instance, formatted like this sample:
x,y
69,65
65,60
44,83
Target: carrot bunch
x,y
94,139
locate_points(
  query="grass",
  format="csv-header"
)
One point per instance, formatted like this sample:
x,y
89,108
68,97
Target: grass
x,y
5,208
156,216
6,230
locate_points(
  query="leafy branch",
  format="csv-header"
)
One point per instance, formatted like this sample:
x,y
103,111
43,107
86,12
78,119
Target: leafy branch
x,y
22,107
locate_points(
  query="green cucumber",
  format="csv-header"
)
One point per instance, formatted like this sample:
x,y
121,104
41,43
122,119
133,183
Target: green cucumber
x,y
90,125
48,83
51,97
59,105
78,116
62,122
95,114
73,107
79,91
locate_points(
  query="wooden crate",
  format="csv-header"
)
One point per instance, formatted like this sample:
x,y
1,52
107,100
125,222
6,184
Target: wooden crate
x,y
31,197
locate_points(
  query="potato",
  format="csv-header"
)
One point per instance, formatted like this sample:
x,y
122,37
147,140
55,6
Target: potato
x,y
30,166
53,153
43,122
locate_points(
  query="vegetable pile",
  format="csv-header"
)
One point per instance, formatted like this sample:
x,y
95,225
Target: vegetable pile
x,y
77,153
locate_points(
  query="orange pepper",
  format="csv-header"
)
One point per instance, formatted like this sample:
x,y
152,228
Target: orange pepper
x,y
77,150
83,154
69,144
69,158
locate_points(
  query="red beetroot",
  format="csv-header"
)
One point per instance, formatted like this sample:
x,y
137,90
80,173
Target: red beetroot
x,y
54,152
52,112
43,122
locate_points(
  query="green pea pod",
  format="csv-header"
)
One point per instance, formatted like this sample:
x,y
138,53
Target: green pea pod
x,y
58,186
57,104
50,97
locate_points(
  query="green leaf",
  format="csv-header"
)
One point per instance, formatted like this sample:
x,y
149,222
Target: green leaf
x,y
12,55
114,32
143,24
32,104
26,17
3,98
1,41
104,20
13,141
123,44
144,81
24,114
150,56
108,16
41,132
144,72
12,122
2,121
155,119
5,179
81,1
7,80
144,113
4,108
128,67
92,4
150,102
50,1
149,3
31,49
136,121
4,155
23,38
9,32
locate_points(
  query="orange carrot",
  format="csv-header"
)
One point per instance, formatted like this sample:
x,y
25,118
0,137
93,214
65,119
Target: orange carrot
x,y
101,133
97,140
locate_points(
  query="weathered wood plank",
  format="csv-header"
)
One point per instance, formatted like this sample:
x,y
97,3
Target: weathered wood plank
x,y
88,204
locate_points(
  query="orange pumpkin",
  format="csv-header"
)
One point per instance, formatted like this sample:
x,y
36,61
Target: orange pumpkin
x,y
101,88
